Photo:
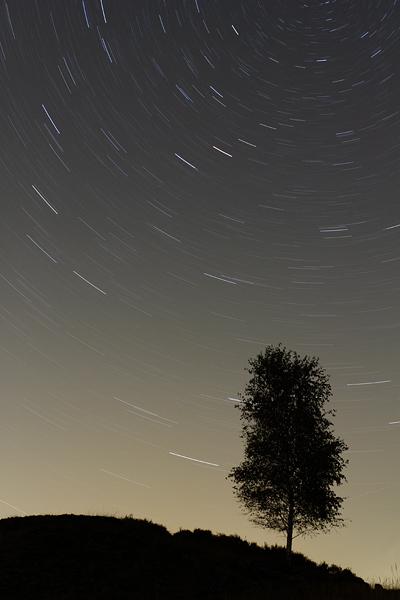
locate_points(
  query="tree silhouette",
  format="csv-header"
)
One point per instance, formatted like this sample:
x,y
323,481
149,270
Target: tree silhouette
x,y
291,457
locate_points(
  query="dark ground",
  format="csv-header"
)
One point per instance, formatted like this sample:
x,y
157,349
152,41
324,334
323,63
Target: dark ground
x,y
82,557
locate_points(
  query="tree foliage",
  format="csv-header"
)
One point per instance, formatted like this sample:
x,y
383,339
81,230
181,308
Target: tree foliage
x,y
291,457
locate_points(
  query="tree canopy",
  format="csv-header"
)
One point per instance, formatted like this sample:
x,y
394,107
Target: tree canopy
x,y
291,457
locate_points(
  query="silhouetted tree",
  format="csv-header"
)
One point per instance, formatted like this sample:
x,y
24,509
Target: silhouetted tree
x,y
292,459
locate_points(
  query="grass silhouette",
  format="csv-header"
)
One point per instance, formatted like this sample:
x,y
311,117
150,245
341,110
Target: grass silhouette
x,y
80,557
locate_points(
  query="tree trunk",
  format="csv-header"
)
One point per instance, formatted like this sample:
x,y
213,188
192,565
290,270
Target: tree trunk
x,y
289,533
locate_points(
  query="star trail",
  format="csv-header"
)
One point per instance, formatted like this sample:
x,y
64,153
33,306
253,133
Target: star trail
x,y
182,184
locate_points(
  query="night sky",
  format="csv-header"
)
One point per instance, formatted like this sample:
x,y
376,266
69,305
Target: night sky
x,y
183,183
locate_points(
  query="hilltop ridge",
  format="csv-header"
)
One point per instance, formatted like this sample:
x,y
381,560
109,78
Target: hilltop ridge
x,y
80,557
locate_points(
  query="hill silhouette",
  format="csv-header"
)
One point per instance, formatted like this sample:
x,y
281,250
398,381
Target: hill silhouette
x,y
79,557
